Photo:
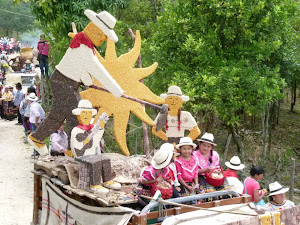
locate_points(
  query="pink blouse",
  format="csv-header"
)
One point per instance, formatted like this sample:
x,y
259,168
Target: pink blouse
x,y
150,173
187,170
203,162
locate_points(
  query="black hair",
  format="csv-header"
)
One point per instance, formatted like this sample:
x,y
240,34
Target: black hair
x,y
31,89
19,85
256,170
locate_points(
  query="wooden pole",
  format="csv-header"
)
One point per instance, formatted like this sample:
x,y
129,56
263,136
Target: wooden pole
x,y
145,131
291,192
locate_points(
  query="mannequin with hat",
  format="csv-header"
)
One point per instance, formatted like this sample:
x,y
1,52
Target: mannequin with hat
x,y
187,167
159,169
84,140
277,198
177,121
79,65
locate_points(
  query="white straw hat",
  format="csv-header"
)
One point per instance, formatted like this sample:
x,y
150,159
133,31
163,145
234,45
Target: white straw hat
x,y
163,156
105,21
84,105
32,97
276,188
175,91
186,141
208,138
235,163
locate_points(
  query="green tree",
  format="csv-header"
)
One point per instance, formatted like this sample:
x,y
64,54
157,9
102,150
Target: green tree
x,y
15,18
224,54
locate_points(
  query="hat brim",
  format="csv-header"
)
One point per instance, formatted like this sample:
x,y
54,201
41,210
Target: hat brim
x,y
183,97
229,165
164,164
108,32
182,144
283,190
32,99
77,111
200,140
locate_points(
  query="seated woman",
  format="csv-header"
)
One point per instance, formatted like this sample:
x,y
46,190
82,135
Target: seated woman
x,y
208,160
277,198
158,172
252,187
234,166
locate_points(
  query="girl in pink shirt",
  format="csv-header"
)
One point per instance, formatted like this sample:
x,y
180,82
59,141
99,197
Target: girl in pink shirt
x,y
252,187
187,167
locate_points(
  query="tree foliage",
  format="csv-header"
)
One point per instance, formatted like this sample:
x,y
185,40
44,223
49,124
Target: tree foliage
x,y
15,18
226,55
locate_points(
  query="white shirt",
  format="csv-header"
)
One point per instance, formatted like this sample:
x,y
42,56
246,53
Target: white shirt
x,y
81,65
36,110
187,123
59,141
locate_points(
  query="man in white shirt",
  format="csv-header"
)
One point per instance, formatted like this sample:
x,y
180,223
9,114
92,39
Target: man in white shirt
x,y
59,142
36,114
79,65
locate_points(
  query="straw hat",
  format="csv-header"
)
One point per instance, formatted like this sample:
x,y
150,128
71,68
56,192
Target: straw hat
x,y
163,156
27,61
186,141
84,105
32,97
208,138
175,91
235,163
105,21
276,188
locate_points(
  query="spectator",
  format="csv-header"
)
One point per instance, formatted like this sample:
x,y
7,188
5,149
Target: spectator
x,y
24,110
43,48
18,98
7,95
37,114
11,89
59,142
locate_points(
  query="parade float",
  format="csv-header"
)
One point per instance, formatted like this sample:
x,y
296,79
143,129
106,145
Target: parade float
x,y
86,187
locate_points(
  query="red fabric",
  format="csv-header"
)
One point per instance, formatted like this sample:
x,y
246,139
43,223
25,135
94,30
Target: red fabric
x,y
85,127
81,38
230,173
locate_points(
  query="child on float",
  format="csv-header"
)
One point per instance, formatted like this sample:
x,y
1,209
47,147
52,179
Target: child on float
x,y
187,167
277,199
252,187
159,169
208,159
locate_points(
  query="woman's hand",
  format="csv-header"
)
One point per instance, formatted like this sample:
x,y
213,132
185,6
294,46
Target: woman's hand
x,y
208,169
178,189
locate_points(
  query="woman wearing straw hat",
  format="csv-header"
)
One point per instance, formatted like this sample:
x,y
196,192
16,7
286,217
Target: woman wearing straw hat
x,y
79,65
277,198
177,121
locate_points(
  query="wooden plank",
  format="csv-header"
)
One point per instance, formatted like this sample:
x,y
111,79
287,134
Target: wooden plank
x,y
36,199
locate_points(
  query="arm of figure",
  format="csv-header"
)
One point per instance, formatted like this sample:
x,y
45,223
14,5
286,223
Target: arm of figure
x,y
258,197
194,133
196,180
37,121
98,71
162,135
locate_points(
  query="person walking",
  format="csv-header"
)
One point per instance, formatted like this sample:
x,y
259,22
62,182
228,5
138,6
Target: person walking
x,y
18,98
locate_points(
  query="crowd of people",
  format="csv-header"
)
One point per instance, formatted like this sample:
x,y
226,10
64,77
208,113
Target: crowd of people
x,y
195,169
9,45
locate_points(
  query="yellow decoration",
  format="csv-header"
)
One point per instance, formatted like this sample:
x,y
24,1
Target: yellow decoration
x,y
122,70
276,218
266,219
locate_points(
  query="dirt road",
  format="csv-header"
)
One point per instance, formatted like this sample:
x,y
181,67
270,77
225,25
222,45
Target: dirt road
x,y
16,180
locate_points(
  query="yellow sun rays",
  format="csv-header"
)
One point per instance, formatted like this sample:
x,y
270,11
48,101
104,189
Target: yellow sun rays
x,y
122,70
